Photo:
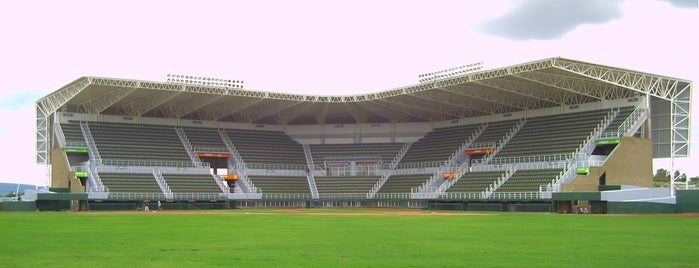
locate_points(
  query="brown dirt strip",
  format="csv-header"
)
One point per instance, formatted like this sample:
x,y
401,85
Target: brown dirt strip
x,y
321,212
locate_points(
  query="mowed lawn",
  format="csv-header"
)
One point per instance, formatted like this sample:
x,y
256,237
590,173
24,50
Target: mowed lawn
x,y
269,238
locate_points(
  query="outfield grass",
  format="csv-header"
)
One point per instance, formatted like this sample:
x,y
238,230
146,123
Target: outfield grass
x,y
266,238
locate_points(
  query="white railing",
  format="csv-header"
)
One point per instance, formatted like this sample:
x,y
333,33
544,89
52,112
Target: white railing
x,y
515,195
222,183
515,129
436,180
467,143
91,146
93,176
460,171
209,149
58,130
482,145
500,181
399,156
630,125
525,159
236,161
151,163
161,182
187,145
310,168
564,177
422,165
392,166
462,195
589,143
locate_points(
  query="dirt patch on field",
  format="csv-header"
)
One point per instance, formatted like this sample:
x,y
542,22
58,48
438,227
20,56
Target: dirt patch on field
x,y
319,212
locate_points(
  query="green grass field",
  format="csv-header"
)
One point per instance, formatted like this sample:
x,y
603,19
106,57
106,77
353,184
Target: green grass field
x,y
270,238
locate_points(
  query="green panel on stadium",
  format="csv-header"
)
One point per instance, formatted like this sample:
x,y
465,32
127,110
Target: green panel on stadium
x,y
75,150
81,174
608,141
582,170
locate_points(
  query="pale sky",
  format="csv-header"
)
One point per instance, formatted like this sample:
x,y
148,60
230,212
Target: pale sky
x,y
318,47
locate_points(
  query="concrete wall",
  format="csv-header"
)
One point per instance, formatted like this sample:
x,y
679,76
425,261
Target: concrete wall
x,y
60,171
631,163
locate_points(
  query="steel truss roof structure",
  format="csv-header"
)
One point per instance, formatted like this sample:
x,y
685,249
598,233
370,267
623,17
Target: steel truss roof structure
x,y
535,85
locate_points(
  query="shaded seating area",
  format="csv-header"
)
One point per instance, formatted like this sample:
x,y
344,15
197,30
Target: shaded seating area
x,y
403,183
473,182
73,134
130,182
558,134
345,184
191,183
529,180
438,144
281,184
139,143
205,138
267,147
385,151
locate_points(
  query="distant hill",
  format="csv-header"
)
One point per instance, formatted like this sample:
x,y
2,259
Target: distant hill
x,y
6,188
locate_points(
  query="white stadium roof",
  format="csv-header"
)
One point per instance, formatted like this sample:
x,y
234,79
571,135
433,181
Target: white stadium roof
x,y
528,86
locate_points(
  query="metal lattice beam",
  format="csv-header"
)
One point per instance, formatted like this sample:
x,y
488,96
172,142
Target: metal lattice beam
x,y
185,107
142,106
533,96
588,87
411,110
55,100
262,110
657,86
323,114
450,104
100,103
390,114
498,101
291,113
360,116
232,106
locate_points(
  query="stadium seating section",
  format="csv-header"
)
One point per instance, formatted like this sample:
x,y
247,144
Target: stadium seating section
x,y
559,134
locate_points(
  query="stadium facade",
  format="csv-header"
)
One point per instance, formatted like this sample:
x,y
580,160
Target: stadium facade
x,y
550,135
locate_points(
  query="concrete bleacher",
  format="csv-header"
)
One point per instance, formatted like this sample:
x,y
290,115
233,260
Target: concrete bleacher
x,y
130,182
438,144
73,134
619,119
267,147
495,132
473,182
191,183
558,134
383,151
403,183
281,184
139,143
345,184
529,180
205,139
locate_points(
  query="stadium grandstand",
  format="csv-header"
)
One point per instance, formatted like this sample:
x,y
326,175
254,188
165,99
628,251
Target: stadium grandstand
x,y
553,135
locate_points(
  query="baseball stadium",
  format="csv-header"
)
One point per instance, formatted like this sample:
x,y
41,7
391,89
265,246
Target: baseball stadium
x,y
555,135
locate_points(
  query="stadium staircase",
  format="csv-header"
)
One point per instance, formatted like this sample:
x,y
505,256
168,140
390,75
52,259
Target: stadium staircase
x,y
162,184
632,121
500,144
235,163
499,181
310,168
188,147
95,182
431,188
389,170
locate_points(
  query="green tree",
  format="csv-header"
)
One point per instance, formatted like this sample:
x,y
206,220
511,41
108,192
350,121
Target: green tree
x,y
661,175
